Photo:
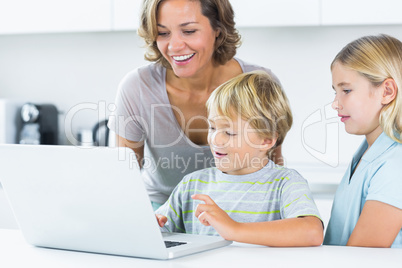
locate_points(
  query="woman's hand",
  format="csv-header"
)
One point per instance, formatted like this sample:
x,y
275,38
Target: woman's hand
x,y
162,220
210,214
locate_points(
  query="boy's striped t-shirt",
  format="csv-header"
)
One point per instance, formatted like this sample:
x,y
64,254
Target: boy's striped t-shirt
x,y
272,193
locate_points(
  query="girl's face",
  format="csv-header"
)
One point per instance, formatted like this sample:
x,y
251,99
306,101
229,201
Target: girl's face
x,y
185,37
237,148
357,101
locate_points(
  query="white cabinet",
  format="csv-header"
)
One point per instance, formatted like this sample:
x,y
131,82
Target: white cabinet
x,y
355,12
248,13
42,16
126,14
256,13
266,13
46,16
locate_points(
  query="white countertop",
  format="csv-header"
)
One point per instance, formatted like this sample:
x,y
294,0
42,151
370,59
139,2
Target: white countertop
x,y
15,252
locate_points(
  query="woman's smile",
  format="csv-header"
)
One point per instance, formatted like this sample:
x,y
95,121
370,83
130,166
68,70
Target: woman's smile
x,y
182,60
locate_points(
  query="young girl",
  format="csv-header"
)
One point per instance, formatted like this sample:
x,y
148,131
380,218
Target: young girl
x,y
246,197
367,209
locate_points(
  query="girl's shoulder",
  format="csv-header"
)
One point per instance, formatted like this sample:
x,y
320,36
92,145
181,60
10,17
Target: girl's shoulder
x,y
383,177
386,168
389,152
392,158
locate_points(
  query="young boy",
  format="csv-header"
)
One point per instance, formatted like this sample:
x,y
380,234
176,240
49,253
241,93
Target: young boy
x,y
246,197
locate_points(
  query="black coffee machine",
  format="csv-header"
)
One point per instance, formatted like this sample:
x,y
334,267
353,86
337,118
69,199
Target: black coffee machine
x,y
40,124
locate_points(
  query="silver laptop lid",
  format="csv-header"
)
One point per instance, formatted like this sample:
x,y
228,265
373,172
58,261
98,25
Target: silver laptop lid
x,y
85,199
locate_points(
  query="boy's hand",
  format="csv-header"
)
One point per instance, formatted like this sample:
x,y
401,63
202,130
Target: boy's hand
x,y
210,214
161,219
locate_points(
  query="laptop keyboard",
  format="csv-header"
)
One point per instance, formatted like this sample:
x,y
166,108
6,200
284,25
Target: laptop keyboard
x,y
170,244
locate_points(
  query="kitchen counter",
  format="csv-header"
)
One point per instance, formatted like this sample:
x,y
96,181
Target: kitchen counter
x,y
15,252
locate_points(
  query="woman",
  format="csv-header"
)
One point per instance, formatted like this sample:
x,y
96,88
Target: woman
x,y
161,111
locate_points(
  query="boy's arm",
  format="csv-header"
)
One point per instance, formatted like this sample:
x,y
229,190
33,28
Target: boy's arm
x,y
378,225
302,231
161,220
169,216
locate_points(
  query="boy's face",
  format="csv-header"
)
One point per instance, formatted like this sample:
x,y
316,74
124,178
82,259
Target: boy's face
x,y
237,148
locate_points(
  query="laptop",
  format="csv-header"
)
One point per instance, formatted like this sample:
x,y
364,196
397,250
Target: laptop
x,y
89,199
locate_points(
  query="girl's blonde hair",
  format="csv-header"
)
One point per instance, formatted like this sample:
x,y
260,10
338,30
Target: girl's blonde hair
x,y
221,17
378,58
259,99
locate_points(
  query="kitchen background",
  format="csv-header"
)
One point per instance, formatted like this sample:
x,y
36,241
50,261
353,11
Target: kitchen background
x,y
74,53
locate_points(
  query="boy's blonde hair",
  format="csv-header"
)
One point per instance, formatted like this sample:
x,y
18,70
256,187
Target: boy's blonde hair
x,y
259,99
378,58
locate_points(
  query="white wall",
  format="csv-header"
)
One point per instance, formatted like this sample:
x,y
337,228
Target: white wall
x,y
71,69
